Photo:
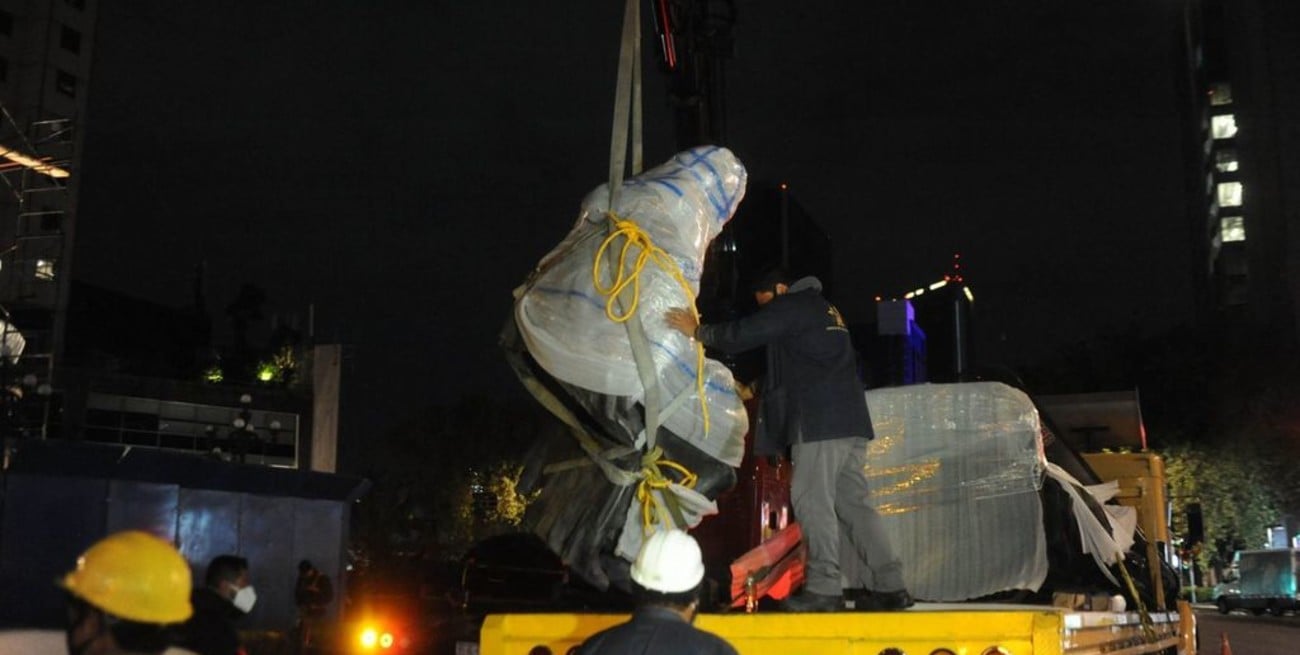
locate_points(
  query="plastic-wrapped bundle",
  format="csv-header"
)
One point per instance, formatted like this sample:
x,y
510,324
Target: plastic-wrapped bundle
x,y
579,362
967,493
681,205
955,471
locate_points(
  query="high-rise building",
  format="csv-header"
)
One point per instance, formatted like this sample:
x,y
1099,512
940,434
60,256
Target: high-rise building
x,y
1242,92
926,334
46,49
98,366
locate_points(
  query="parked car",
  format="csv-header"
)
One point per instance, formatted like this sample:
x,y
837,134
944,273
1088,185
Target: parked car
x,y
1266,581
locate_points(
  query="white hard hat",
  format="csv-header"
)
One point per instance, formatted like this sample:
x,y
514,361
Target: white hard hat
x,y
669,562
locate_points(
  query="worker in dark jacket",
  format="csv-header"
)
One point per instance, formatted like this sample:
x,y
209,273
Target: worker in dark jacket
x,y
313,592
666,579
813,403
225,597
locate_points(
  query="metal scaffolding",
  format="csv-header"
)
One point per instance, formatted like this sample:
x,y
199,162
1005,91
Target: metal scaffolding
x,y
35,236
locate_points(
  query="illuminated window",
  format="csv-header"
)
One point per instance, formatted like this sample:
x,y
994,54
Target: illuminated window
x,y
1232,228
1225,160
1229,194
1220,94
45,269
1223,126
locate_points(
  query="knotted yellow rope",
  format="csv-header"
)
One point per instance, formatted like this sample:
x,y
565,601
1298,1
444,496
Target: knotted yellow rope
x,y
653,479
634,236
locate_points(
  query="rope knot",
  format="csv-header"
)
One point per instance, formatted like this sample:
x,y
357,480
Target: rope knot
x,y
652,480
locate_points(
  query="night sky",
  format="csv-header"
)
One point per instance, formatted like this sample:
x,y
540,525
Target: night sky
x,y
403,165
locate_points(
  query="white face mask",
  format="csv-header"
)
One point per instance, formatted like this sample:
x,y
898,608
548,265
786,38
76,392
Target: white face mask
x,y
244,599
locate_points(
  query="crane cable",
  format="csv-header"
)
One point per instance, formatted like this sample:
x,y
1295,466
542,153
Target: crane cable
x,y
628,122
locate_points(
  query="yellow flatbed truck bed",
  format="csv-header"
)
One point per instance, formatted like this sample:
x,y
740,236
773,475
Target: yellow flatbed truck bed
x,y
925,629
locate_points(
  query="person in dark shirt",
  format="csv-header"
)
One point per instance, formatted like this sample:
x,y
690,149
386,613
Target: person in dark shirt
x,y
666,577
313,593
813,403
225,597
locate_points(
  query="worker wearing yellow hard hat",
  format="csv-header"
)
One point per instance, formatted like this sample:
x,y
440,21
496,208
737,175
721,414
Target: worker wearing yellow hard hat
x,y
125,595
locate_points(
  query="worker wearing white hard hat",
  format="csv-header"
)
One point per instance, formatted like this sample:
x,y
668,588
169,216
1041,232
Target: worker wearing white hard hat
x,y
667,576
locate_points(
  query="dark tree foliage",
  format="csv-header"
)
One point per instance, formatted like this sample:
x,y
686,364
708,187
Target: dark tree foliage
x,y
441,480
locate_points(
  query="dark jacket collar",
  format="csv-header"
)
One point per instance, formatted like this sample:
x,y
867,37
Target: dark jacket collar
x,y
658,613
207,600
809,283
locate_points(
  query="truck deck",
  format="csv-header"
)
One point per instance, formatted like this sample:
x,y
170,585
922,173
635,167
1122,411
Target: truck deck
x,y
940,628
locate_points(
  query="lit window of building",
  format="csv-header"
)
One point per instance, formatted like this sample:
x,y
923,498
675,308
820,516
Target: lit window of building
x,y
44,269
1225,161
1220,94
1223,126
1229,194
1232,228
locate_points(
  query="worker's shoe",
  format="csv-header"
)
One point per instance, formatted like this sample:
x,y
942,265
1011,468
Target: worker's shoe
x,y
806,601
866,600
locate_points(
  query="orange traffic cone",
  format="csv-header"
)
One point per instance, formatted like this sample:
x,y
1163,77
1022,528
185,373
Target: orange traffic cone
x,y
1224,647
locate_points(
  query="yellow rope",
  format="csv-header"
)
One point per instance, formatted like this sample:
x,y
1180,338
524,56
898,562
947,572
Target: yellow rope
x,y
653,479
1148,626
633,235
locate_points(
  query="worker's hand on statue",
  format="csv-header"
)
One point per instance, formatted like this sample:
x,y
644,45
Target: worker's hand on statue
x,y
683,320
744,390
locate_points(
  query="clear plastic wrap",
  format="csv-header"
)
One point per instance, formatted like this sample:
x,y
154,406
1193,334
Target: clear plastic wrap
x,y
579,362
681,205
955,470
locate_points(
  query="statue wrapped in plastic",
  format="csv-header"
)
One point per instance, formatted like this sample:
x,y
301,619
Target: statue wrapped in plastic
x,y
588,340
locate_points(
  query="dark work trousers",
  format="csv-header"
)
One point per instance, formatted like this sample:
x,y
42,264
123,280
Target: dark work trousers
x,y
847,543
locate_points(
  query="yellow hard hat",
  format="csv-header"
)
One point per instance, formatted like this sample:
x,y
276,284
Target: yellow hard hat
x,y
135,576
